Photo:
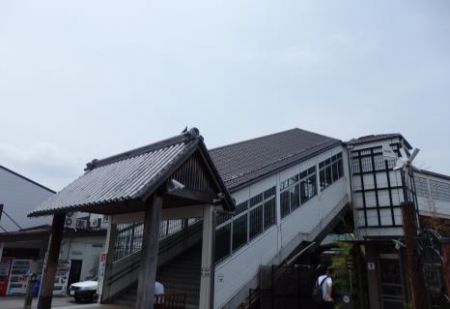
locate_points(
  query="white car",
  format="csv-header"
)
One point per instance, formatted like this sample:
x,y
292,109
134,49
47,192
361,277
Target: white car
x,y
84,290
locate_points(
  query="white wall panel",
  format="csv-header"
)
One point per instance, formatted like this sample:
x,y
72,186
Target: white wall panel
x,y
232,274
19,196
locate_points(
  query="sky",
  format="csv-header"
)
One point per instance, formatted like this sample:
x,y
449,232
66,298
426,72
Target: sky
x,y
87,79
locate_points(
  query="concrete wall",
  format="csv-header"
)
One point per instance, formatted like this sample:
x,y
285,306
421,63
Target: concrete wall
x,y
87,249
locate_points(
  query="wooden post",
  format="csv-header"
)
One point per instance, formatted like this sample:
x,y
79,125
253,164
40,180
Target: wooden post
x,y
207,268
149,262
51,262
446,263
111,237
372,277
414,269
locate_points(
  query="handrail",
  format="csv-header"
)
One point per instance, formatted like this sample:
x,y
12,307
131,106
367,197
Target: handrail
x,y
122,268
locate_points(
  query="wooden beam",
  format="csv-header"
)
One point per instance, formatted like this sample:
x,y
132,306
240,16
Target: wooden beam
x,y
149,262
51,262
199,197
207,267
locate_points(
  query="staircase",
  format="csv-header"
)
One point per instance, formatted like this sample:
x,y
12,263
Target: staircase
x,y
181,275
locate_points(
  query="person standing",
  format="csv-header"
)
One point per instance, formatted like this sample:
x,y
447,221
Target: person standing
x,y
159,295
326,283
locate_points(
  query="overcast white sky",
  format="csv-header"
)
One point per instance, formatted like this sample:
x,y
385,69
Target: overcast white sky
x,y
87,79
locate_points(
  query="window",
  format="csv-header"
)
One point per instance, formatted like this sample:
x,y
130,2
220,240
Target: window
x,y
250,219
256,199
239,232
331,170
269,214
221,218
241,208
294,194
256,221
223,244
284,203
298,190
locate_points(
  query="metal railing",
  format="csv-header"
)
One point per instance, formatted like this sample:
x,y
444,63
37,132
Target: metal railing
x,y
129,235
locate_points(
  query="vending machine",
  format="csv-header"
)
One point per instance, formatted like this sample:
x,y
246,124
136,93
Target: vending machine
x,y
62,277
18,276
5,267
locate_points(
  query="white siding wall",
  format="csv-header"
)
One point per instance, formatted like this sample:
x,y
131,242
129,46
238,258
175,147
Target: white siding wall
x,y
304,223
87,249
20,196
383,196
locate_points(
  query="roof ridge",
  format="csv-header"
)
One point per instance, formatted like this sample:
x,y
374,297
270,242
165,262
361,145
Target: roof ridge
x,y
184,137
266,136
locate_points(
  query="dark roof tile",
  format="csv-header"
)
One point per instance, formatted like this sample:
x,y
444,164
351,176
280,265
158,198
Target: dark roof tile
x,y
245,162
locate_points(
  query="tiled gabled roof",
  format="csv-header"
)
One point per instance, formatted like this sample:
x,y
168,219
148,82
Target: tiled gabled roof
x,y
245,162
127,177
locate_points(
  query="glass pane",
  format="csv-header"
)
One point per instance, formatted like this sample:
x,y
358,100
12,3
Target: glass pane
x,y
256,224
221,218
312,185
269,193
222,245
335,171
239,232
294,193
256,199
269,214
241,207
284,203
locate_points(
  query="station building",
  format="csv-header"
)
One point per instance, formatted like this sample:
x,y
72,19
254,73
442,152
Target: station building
x,y
207,223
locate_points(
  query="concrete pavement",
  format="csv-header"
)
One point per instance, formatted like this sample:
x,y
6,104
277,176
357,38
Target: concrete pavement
x,y
16,302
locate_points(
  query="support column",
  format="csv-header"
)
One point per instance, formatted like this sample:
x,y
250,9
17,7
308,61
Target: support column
x,y
149,262
446,264
207,268
372,277
414,268
111,237
51,262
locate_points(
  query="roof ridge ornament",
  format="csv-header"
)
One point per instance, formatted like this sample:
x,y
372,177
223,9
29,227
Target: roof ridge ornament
x,y
191,133
91,165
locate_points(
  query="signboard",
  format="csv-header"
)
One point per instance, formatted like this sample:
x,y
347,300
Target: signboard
x,y
101,272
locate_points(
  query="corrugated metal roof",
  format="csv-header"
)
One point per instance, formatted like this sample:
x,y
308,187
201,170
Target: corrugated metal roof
x,y
376,138
248,161
432,174
124,177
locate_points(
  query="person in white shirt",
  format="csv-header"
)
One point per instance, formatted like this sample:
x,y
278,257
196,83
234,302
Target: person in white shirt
x,y
158,290
326,283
